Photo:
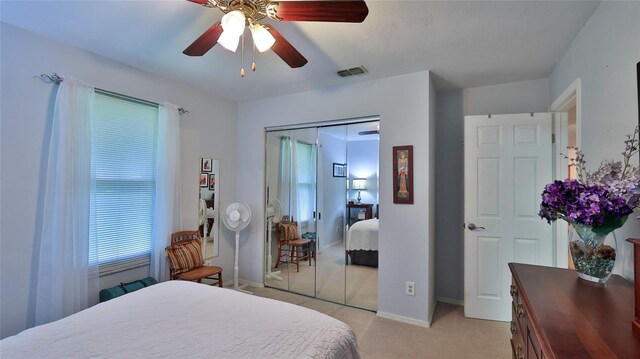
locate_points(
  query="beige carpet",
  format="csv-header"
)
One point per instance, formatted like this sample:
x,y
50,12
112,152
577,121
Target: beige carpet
x,y
328,278
450,336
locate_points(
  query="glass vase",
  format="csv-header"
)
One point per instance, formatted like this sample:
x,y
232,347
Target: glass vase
x,y
593,254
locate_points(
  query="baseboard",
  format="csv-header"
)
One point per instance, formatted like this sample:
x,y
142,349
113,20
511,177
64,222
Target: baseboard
x,y
450,301
399,318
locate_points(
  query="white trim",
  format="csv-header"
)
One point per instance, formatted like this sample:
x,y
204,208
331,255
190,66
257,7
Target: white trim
x,y
560,228
459,302
561,104
432,310
399,318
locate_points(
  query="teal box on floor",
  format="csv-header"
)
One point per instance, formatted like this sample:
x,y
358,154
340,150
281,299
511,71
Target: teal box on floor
x,y
124,288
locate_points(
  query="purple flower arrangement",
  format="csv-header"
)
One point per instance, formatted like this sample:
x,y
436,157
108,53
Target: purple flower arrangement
x,y
601,200
591,205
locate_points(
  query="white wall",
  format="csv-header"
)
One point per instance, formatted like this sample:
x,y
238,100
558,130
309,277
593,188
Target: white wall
x,y
514,97
604,57
452,106
363,160
26,107
403,105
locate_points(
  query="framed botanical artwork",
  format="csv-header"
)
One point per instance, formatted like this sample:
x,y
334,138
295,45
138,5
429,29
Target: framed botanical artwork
x,y
339,170
204,180
403,174
205,165
212,182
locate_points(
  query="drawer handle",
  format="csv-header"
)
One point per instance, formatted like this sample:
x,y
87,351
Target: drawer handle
x,y
519,353
520,311
513,290
513,328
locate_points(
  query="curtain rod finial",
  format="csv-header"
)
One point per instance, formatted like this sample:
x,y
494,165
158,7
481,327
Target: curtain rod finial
x,y
54,78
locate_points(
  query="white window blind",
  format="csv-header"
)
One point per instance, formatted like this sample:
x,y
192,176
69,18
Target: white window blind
x,y
123,160
306,177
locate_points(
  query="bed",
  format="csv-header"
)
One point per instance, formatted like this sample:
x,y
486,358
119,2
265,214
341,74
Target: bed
x,y
179,319
362,243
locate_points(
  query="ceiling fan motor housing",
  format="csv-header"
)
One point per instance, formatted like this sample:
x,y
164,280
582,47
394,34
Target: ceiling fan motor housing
x,y
253,9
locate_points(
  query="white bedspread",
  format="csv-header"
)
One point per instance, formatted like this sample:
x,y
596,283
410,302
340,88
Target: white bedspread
x,y
363,235
185,320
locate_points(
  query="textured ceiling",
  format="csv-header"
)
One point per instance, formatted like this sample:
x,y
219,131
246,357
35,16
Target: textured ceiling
x,y
465,43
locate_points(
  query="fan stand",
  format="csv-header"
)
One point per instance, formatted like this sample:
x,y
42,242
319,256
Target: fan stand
x,y
270,274
236,268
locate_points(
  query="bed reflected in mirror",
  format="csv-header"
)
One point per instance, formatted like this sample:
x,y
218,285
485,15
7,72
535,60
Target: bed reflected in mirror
x,y
208,206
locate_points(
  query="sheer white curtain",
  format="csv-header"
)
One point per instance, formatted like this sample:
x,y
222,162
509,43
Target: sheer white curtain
x,y
288,178
298,181
284,175
166,214
68,266
311,194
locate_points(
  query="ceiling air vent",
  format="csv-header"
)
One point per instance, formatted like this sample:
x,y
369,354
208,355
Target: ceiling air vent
x,y
352,71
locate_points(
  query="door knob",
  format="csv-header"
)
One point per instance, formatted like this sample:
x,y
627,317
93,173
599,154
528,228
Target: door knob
x,y
473,227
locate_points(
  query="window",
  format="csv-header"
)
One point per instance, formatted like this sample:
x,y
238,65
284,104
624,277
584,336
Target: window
x,y
123,160
305,168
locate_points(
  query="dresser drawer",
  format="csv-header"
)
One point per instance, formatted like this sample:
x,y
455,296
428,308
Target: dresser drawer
x,y
533,348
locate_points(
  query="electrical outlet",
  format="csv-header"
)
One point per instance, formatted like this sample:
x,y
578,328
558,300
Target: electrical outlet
x,y
410,288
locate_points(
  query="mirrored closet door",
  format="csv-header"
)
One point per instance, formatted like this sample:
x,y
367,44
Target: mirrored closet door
x,y
332,192
322,205
291,210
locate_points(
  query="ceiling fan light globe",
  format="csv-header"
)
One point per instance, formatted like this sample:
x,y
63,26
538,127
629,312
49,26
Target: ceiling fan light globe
x,y
229,41
233,22
262,37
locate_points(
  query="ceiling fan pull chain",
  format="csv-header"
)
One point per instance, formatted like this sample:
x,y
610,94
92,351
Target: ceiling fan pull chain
x,y
242,57
253,64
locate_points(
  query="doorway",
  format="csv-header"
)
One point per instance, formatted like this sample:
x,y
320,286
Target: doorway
x,y
566,111
322,187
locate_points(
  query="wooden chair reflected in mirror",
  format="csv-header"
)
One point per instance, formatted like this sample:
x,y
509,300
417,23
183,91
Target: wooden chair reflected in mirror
x,y
186,261
292,248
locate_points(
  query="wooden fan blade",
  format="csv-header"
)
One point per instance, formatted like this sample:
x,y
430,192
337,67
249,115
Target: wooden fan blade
x,y
332,11
199,2
205,42
285,50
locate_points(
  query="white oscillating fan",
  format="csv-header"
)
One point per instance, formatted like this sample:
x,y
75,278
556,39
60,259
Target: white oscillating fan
x,y
274,215
236,217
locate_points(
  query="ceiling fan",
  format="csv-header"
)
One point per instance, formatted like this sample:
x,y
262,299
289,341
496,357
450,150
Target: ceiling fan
x,y
241,13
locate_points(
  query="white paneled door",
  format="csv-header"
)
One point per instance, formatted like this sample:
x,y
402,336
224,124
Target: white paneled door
x,y
507,163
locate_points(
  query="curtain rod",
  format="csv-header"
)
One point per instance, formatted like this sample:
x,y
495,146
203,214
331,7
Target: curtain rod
x,y
346,121
56,79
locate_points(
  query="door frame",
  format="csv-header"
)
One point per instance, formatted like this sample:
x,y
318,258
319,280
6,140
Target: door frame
x,y
563,104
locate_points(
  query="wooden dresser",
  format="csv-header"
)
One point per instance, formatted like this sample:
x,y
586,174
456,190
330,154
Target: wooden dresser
x,y
557,315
